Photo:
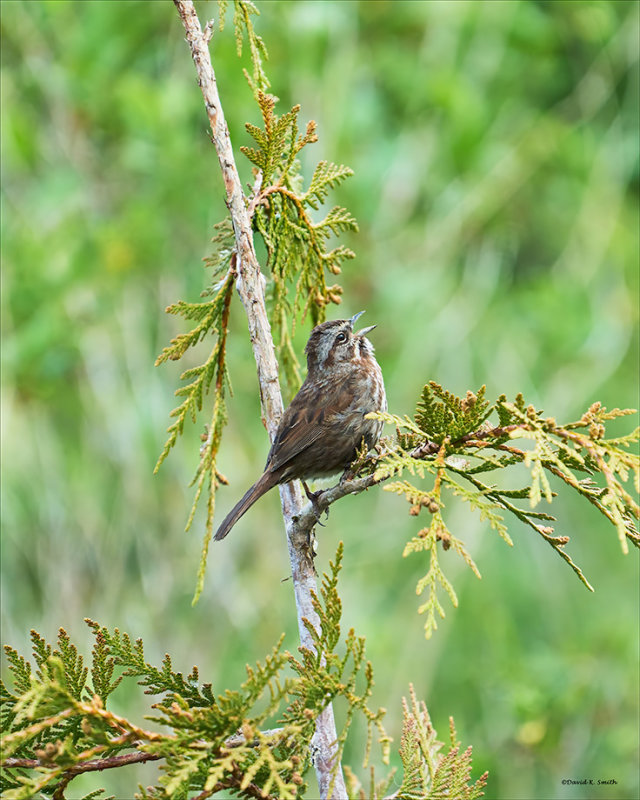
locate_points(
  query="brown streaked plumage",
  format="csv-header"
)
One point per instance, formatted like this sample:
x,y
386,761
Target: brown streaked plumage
x,y
325,424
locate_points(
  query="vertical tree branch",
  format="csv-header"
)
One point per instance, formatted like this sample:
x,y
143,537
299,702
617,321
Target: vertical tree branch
x,y
251,292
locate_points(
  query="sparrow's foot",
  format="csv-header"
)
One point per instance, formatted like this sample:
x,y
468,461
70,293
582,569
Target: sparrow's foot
x,y
313,499
347,475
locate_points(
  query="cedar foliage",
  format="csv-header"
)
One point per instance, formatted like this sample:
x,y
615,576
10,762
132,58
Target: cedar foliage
x,y
451,445
57,722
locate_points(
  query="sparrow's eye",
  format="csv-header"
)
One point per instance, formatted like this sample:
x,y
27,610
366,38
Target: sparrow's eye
x,y
341,337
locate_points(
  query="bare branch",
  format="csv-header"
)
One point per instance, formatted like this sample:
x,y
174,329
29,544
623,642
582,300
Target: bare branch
x,y
428,447
308,517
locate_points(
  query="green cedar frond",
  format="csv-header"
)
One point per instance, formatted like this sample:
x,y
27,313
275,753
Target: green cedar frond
x,y
479,499
324,675
610,458
243,10
325,177
208,742
276,142
20,669
452,444
74,670
205,314
298,257
336,221
430,771
222,10
212,317
441,414
103,667
426,540
430,774
124,653
218,261
41,651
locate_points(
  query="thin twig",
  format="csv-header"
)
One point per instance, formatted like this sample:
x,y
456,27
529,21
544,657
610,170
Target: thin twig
x,y
110,762
428,448
136,757
96,765
308,517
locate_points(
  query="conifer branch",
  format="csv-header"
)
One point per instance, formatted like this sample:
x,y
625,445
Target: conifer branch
x,y
57,725
113,762
97,765
250,290
451,441
308,517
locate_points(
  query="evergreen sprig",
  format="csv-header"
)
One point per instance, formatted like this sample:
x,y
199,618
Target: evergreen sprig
x,y
428,773
297,250
440,414
211,318
243,10
451,444
325,675
57,721
116,649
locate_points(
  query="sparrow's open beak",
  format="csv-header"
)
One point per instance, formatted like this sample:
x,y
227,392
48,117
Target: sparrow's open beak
x,y
365,331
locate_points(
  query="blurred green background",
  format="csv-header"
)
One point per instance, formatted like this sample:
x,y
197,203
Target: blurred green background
x,y
496,187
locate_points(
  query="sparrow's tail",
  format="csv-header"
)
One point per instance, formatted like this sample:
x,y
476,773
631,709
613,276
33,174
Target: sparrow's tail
x,y
260,487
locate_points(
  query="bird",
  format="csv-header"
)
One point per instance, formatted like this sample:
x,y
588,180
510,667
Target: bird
x,y
325,424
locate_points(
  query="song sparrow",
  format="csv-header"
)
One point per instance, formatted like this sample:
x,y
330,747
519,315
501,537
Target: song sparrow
x,y
322,429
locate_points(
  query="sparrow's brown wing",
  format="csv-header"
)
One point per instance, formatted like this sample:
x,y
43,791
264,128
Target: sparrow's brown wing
x,y
310,416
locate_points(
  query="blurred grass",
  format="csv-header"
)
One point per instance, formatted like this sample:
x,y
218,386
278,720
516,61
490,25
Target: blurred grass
x,y
496,187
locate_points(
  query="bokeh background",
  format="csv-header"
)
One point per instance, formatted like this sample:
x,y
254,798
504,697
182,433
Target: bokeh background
x,y
495,146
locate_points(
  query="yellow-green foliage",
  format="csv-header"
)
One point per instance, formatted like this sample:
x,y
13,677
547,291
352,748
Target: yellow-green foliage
x,y
297,252
211,317
56,720
450,443
243,10
428,773
57,723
